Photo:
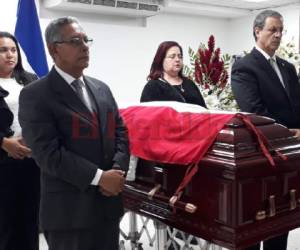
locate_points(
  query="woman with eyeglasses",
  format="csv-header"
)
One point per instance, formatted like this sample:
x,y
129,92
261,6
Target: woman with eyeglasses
x,y
19,175
166,81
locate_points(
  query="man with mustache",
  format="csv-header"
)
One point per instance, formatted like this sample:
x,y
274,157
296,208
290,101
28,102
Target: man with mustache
x,y
72,124
267,85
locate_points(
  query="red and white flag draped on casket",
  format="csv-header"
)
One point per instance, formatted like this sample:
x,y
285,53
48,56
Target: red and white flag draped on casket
x,y
172,132
179,133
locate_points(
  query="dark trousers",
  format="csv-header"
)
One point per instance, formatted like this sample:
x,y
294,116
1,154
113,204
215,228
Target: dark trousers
x,y
105,236
19,197
276,243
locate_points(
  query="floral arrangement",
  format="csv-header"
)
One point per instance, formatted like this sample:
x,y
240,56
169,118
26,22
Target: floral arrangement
x,y
288,51
210,72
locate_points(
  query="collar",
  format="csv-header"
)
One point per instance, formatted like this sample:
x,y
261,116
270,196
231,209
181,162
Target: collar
x,y
67,77
265,54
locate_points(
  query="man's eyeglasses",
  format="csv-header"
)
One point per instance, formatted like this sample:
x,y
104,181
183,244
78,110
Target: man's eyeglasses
x,y
77,41
276,31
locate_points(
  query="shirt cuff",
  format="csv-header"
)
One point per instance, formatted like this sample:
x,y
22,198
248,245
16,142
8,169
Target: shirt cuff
x,y
97,177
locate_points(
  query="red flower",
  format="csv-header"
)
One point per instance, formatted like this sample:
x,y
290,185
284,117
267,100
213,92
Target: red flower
x,y
209,67
211,43
198,73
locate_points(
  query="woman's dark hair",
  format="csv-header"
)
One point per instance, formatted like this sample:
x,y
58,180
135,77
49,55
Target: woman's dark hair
x,y
19,73
156,70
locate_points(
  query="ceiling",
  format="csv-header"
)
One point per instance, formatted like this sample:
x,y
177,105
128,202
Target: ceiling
x,y
226,8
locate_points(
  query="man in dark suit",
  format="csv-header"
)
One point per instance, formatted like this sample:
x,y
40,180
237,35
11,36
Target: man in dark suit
x,y
72,124
267,85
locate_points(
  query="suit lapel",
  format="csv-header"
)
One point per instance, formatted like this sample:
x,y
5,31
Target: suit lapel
x,y
3,93
98,96
266,66
66,95
283,70
4,106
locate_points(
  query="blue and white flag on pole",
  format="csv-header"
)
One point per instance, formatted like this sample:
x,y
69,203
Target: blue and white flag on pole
x,y
28,33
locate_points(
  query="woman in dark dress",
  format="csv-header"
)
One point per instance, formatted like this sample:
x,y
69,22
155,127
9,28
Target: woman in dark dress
x,y
167,83
19,175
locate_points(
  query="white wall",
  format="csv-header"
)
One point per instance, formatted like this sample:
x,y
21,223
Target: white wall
x,y
8,15
123,50
121,54
241,38
124,54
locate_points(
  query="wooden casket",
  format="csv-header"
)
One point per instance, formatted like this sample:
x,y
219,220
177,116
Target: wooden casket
x,y
236,198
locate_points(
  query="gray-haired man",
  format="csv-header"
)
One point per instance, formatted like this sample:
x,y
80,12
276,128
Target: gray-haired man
x,y
71,122
267,85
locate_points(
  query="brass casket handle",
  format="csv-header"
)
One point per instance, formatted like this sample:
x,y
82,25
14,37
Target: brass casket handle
x,y
188,207
293,201
260,215
272,211
153,191
173,201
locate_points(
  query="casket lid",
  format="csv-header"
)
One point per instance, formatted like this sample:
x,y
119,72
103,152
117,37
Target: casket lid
x,y
236,141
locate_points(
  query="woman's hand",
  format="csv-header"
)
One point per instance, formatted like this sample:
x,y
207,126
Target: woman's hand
x,y
15,147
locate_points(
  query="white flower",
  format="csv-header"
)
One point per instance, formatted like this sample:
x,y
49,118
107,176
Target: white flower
x,y
287,51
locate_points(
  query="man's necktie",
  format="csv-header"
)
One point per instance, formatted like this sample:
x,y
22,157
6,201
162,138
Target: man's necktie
x,y
272,62
78,85
276,69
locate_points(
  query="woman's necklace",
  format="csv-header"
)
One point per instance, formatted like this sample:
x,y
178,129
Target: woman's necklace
x,y
179,86
178,93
